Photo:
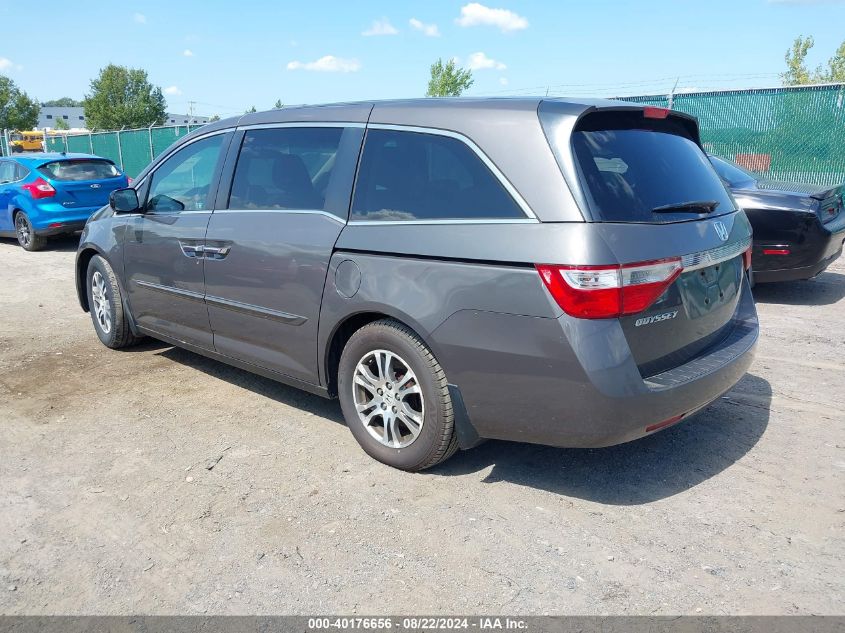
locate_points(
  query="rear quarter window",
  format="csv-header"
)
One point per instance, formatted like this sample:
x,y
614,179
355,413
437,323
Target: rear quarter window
x,y
78,170
417,176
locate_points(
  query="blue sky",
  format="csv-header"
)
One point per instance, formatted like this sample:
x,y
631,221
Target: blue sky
x,y
227,57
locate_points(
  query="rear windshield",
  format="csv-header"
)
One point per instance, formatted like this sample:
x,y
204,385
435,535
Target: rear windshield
x,y
630,166
732,174
82,169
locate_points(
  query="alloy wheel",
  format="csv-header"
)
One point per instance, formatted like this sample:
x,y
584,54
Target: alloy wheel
x,y
102,308
24,232
388,398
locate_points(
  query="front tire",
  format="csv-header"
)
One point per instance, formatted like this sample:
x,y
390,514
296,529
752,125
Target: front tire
x,y
395,398
105,303
27,238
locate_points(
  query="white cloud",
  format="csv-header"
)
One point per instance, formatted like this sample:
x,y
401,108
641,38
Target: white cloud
x,y
380,27
475,14
139,18
429,30
5,64
188,52
327,64
172,91
503,81
480,61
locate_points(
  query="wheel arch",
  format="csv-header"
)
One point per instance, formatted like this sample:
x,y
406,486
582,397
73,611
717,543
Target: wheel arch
x,y
351,323
83,258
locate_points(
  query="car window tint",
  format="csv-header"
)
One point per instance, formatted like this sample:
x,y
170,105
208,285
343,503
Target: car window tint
x,y
417,176
285,168
629,172
730,173
79,169
21,172
183,181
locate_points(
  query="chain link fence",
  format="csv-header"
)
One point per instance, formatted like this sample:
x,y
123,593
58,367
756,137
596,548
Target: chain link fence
x,y
793,134
133,150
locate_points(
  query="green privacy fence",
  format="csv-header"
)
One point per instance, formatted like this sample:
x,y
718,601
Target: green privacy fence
x,y
795,134
131,149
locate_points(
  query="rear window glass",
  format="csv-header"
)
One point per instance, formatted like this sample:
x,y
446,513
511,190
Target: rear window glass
x,y
630,166
417,176
74,170
732,174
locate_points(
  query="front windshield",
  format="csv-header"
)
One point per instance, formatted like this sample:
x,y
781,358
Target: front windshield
x,y
731,173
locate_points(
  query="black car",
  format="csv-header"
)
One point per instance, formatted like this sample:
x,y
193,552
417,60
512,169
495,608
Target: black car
x,y
798,228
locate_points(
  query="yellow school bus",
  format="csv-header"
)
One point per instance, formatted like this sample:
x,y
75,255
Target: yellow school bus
x,y
30,141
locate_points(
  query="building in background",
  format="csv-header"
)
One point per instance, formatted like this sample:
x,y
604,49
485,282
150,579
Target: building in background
x,y
74,118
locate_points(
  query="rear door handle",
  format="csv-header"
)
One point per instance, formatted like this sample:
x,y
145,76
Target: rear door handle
x,y
216,252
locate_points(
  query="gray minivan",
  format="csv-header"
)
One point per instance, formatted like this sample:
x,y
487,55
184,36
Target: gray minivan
x,y
564,272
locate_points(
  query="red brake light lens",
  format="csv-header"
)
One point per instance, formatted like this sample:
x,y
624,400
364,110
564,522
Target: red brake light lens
x,y
746,259
39,189
653,112
603,292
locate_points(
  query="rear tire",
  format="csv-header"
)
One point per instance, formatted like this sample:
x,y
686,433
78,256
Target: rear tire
x,y
106,305
395,398
27,238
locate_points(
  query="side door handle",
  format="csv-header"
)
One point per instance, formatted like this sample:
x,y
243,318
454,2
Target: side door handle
x,y
216,252
191,249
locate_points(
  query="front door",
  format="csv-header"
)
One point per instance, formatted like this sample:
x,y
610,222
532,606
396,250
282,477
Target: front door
x,y
163,256
269,246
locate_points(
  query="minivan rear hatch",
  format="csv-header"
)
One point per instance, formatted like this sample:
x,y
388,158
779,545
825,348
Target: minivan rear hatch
x,y
642,178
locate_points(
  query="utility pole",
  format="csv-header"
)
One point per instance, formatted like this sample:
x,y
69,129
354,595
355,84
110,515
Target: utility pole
x,y
191,112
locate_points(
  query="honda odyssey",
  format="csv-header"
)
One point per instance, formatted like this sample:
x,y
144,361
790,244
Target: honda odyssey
x,y
564,272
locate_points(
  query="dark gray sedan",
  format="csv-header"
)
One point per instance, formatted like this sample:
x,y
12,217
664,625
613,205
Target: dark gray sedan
x,y
798,228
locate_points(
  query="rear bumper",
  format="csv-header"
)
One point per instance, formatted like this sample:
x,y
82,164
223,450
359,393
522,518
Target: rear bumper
x,y
818,250
559,383
61,228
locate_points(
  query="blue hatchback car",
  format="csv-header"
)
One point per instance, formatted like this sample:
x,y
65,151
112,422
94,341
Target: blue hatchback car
x,y
49,194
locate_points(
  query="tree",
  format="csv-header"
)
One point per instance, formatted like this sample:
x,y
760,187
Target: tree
x,y
835,66
796,68
17,110
251,110
61,124
279,105
216,117
797,73
64,102
123,97
448,80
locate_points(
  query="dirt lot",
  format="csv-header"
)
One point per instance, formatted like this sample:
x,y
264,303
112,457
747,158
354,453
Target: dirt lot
x,y
156,481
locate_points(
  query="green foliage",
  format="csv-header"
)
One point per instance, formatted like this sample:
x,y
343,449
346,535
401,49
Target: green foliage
x,y
216,117
64,102
61,124
17,110
251,110
448,80
123,97
797,73
278,105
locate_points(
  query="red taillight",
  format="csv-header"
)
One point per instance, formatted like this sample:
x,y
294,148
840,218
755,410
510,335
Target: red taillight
x,y
653,112
776,251
603,292
39,189
746,259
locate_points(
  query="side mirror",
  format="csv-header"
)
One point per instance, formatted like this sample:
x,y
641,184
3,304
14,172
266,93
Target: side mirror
x,y
124,200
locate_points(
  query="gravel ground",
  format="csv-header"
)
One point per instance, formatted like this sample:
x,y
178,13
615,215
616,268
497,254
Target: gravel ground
x,y
156,481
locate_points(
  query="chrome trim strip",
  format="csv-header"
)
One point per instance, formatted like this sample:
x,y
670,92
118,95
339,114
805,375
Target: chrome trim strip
x,y
331,216
703,259
256,311
261,126
435,222
179,292
464,139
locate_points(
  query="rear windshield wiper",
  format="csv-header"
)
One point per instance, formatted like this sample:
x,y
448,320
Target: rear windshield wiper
x,y
693,206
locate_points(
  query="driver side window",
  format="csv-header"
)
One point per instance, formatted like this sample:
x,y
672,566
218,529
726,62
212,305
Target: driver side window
x,y
183,181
